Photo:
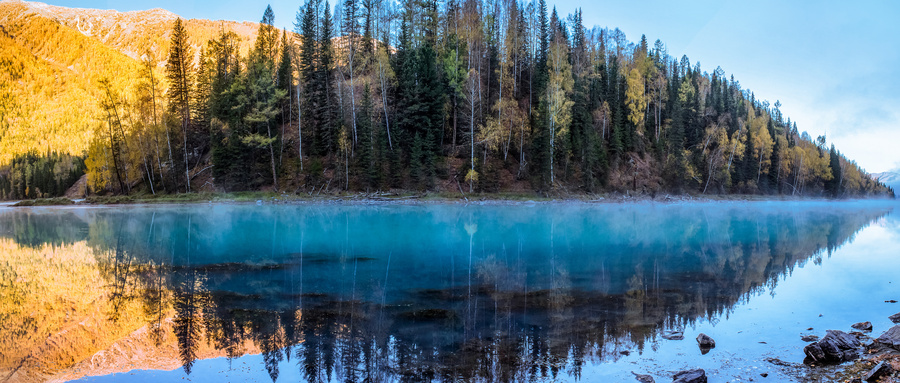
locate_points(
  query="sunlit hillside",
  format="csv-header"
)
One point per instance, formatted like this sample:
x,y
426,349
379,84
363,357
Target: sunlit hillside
x,y
52,59
144,102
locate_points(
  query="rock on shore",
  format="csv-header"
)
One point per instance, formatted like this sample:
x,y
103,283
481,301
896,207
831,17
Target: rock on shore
x,y
836,347
891,338
690,376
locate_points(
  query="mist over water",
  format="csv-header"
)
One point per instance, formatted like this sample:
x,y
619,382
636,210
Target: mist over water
x,y
525,292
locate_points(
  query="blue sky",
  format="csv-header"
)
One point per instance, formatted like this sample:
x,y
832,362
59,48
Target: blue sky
x,y
834,65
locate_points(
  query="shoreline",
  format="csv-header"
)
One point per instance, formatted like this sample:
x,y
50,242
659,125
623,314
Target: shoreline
x,y
271,198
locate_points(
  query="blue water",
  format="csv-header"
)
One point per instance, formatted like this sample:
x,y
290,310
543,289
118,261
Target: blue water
x,y
511,292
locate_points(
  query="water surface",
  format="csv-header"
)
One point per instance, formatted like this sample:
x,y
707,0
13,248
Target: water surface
x,y
527,292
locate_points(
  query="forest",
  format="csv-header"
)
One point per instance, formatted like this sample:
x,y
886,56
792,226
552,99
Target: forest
x,y
468,96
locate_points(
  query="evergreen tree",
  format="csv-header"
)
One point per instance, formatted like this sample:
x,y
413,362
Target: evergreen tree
x,y
179,72
834,185
365,151
327,108
264,96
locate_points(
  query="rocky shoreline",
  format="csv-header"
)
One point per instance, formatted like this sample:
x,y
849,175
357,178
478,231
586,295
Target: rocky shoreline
x,y
400,197
853,357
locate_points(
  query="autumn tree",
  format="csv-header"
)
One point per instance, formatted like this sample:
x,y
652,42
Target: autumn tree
x,y
559,87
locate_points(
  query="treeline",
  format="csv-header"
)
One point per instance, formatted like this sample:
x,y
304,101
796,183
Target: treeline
x,y
461,95
30,175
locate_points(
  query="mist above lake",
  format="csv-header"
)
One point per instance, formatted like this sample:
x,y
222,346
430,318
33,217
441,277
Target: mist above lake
x,y
442,292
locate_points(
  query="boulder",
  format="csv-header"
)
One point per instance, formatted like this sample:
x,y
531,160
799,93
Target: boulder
x,y
863,326
706,341
814,352
880,369
690,376
895,318
836,347
891,338
643,378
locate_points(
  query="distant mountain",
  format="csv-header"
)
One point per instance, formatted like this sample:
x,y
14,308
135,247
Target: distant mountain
x,y
51,59
889,178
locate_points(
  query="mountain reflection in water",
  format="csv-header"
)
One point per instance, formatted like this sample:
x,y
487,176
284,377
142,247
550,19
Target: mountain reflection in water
x,y
383,293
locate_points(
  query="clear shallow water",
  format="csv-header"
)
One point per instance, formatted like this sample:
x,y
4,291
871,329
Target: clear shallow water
x,y
441,292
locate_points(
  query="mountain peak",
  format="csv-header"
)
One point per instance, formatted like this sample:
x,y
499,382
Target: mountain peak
x,y
890,178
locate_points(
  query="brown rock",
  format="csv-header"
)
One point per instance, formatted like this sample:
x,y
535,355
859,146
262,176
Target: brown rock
x,y
706,341
880,369
895,318
863,326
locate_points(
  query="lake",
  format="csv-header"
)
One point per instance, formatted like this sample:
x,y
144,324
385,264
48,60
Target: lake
x,y
436,292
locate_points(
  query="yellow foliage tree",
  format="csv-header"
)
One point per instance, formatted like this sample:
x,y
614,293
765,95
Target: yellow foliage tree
x,y
636,100
558,91
762,143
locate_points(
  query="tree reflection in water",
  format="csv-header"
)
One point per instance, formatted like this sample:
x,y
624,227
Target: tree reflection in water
x,y
338,293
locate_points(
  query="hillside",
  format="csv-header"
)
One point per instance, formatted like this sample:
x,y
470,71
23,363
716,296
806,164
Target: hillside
x,y
52,59
480,99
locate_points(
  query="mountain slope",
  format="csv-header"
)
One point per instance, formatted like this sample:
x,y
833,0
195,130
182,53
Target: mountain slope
x,y
52,73
52,58
889,178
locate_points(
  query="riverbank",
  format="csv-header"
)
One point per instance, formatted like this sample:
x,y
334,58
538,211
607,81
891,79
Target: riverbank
x,y
264,197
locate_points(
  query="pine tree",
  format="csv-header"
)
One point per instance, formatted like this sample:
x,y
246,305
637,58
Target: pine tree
x,y
834,185
305,26
285,77
179,71
264,96
365,150
350,29
327,108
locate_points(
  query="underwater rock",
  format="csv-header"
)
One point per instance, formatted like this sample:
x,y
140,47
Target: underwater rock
x,y
809,338
643,378
428,315
673,335
690,376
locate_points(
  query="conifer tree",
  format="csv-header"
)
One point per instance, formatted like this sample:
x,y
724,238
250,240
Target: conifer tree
x,y
365,151
179,72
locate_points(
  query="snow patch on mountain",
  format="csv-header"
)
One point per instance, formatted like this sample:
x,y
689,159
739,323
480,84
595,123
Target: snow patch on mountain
x,y
889,178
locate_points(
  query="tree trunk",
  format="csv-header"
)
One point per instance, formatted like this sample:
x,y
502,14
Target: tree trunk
x,y
387,124
171,160
272,156
352,93
299,129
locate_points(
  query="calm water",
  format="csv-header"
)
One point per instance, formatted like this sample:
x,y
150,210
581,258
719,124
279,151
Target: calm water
x,y
545,292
